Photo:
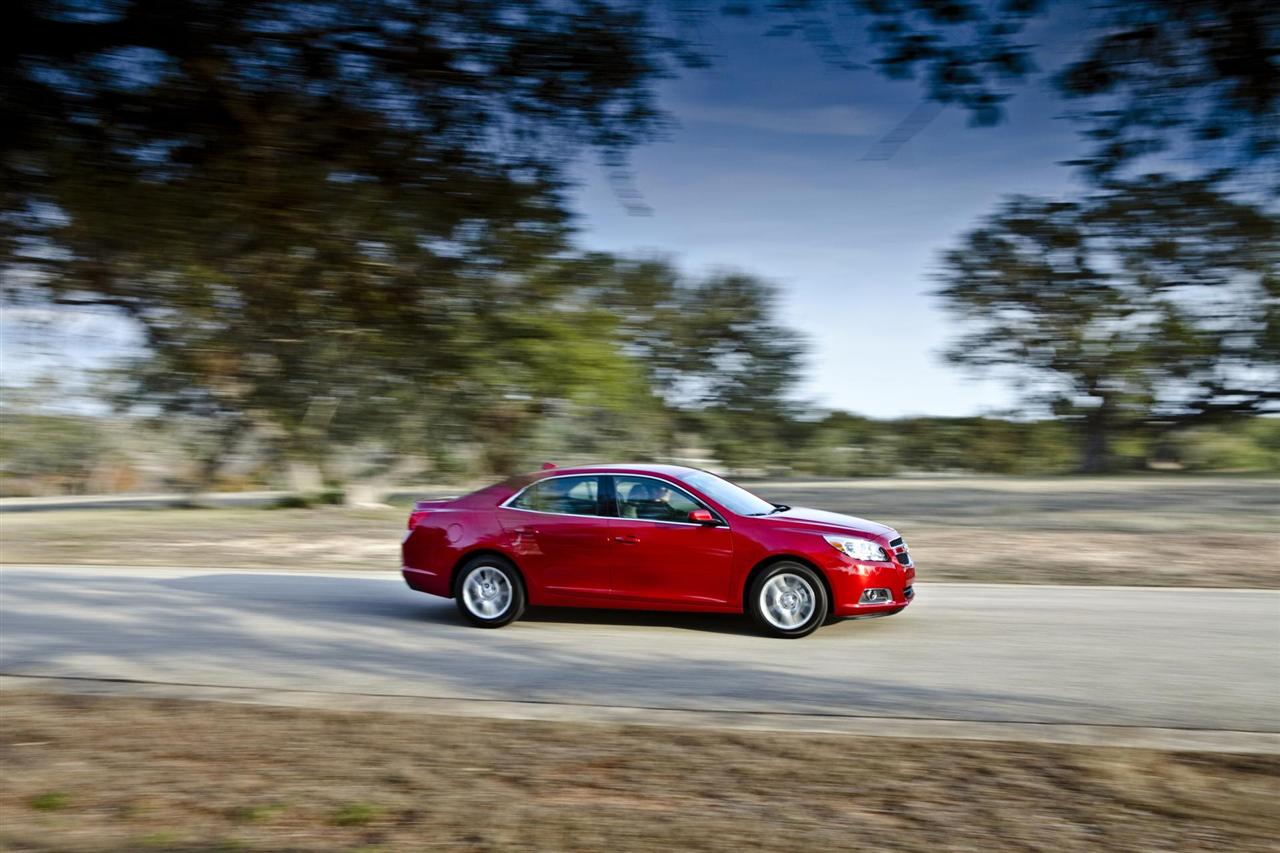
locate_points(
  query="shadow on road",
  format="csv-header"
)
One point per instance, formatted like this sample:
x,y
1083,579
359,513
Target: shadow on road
x,y
719,623
419,608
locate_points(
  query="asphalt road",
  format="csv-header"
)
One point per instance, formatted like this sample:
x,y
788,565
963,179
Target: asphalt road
x,y
1204,659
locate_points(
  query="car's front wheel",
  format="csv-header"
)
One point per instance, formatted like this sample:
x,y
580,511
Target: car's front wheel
x,y
489,592
788,600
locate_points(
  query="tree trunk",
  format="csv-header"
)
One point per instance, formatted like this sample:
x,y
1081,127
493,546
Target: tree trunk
x,y
307,449
1096,456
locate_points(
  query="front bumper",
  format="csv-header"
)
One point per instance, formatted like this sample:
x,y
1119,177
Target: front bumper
x,y
850,580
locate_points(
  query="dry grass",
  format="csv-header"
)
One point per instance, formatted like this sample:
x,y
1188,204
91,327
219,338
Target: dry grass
x,y
321,538
1142,531
111,774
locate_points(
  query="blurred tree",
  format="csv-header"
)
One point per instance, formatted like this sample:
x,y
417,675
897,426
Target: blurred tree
x,y
323,213
311,207
1156,299
847,445
555,377
843,445
1202,76
713,350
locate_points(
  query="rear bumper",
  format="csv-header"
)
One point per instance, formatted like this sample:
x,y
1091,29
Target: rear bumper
x,y
425,580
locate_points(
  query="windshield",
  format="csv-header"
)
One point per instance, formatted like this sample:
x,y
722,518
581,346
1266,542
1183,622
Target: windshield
x,y
733,498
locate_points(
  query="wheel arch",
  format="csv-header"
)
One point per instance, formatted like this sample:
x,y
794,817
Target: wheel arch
x,y
468,556
773,559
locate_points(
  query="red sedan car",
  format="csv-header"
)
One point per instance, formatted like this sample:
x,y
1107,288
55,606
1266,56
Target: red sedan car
x,y
652,537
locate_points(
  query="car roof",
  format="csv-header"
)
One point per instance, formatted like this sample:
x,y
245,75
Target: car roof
x,y
674,472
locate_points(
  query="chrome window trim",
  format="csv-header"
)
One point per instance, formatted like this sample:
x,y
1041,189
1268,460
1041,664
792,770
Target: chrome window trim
x,y
544,512
507,503
615,474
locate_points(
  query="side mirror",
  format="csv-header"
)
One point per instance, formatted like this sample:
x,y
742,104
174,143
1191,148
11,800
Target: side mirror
x,y
703,517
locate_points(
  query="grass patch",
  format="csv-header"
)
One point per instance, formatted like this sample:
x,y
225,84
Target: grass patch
x,y
50,801
255,814
355,814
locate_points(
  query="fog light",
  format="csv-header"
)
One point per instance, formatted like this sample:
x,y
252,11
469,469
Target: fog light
x,y
876,595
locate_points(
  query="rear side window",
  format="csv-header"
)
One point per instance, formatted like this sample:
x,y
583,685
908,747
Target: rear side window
x,y
564,495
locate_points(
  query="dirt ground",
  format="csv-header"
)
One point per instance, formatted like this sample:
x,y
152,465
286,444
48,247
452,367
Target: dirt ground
x,y
1156,531
112,774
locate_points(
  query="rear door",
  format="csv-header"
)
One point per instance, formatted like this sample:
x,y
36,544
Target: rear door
x,y
561,538
662,558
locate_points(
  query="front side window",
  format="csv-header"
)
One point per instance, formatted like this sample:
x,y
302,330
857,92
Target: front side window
x,y
652,500
563,495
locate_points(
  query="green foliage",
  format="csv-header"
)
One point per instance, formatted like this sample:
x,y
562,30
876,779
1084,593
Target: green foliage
x,y
1250,446
587,429
842,445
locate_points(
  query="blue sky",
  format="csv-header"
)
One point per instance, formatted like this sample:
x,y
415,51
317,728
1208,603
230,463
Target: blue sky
x,y
764,173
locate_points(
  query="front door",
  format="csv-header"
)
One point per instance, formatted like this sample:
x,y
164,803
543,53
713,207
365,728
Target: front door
x,y
662,557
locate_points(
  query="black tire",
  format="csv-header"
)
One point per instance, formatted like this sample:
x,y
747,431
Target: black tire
x,y
772,614
489,591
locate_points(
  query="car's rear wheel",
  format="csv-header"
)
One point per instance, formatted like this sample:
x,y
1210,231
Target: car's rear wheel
x,y
489,592
788,599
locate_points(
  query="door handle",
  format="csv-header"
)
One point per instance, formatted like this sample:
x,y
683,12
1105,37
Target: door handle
x,y
627,540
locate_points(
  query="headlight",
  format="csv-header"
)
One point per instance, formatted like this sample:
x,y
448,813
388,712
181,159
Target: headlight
x,y
858,549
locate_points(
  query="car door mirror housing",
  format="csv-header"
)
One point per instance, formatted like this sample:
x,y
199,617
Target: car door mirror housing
x,y
704,517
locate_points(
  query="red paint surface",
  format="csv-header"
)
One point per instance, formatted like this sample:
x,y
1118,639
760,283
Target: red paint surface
x,y
604,561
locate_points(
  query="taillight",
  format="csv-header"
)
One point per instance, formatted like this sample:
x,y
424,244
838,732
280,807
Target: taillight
x,y
416,516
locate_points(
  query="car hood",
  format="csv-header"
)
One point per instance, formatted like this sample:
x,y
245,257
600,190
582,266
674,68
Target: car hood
x,y
834,522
